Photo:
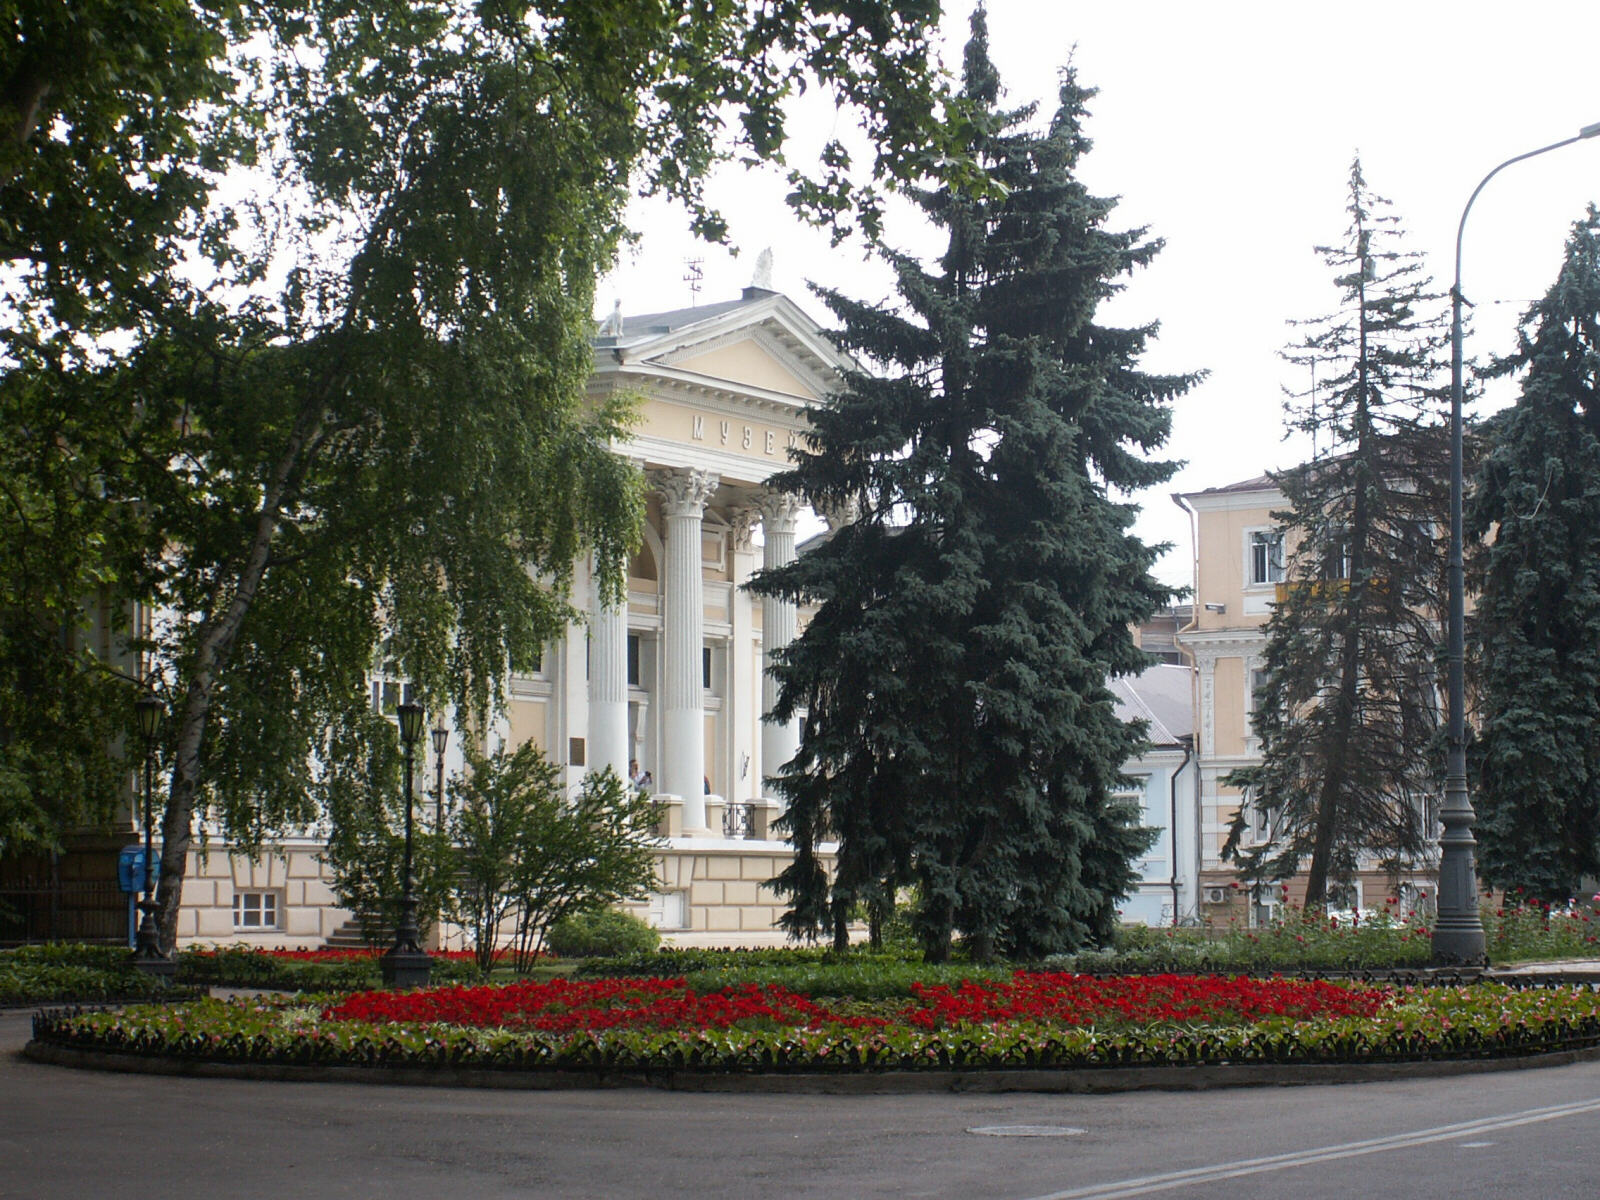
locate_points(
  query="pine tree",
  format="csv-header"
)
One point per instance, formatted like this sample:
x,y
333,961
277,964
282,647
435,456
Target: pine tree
x,y
1350,704
1536,627
958,733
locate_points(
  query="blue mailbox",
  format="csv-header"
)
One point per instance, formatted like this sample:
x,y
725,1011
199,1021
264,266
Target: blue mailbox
x,y
130,869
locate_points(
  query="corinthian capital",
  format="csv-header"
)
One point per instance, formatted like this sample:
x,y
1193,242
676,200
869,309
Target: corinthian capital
x,y
741,528
839,513
779,510
685,493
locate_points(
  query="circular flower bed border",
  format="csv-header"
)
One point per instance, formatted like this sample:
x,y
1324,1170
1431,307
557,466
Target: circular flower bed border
x,y
995,1037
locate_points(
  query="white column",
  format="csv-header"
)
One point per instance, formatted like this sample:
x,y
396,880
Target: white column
x,y
608,682
740,705
778,513
683,724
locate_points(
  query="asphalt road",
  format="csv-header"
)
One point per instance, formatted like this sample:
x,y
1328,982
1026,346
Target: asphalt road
x,y
84,1135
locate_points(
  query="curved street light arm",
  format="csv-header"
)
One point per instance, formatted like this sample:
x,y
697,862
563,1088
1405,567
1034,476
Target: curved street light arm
x,y
1458,930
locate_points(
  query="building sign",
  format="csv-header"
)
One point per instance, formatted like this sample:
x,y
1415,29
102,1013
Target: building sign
x,y
734,435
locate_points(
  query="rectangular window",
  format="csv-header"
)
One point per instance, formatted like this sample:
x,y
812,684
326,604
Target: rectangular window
x,y
1266,557
705,667
255,910
633,660
668,910
389,694
1252,699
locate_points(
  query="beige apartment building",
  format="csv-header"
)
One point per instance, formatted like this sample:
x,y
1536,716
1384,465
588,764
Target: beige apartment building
x,y
1239,567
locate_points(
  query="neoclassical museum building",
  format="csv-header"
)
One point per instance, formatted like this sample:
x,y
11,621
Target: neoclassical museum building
x,y
675,680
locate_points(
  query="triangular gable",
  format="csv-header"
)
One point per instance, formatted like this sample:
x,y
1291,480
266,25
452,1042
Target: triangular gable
x,y
751,361
766,343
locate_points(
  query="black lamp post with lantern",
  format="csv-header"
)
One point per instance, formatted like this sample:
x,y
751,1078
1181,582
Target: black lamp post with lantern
x,y
1458,929
407,964
147,956
441,738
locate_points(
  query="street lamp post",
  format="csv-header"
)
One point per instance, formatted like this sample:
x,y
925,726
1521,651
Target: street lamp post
x,y
441,738
407,965
147,956
1458,931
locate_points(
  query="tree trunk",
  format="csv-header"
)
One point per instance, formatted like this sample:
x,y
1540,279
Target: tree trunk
x,y
1336,758
215,645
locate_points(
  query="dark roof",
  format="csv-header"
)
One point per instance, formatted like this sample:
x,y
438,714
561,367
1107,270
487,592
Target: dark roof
x,y
644,326
1257,483
1162,695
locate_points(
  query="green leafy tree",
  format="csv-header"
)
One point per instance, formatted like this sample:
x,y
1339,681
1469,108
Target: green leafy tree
x,y
1351,707
958,733
362,422
113,122
524,853
1536,625
587,852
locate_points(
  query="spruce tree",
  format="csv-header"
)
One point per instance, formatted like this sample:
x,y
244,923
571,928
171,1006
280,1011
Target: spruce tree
x,y
1536,627
958,733
1350,703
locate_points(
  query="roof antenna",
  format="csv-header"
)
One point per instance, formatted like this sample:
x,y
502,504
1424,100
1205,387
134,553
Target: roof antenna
x,y
693,274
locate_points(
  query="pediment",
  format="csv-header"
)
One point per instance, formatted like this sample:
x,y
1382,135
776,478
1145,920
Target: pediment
x,y
750,360
764,344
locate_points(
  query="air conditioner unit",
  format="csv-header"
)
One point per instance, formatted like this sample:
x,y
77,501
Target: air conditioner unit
x,y
1216,895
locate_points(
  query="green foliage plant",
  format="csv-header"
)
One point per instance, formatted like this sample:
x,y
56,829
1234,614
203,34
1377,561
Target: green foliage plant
x,y
337,415
606,933
958,733
1349,709
1536,625
524,853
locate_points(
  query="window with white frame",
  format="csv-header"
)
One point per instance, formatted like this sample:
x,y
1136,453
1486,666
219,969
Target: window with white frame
x,y
255,910
668,910
1257,819
1265,550
1344,895
1252,702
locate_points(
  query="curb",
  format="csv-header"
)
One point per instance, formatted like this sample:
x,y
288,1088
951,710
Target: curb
x,y
1064,1080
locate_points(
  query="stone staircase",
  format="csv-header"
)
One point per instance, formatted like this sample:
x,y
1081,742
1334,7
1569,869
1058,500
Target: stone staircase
x,y
348,937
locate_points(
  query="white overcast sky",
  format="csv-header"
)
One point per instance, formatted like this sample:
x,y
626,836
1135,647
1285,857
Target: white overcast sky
x,y
1228,129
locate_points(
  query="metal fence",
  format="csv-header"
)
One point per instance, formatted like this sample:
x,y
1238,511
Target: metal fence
x,y
58,911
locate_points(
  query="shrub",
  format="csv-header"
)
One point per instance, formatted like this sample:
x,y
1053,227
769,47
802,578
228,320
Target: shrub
x,y
605,933
302,971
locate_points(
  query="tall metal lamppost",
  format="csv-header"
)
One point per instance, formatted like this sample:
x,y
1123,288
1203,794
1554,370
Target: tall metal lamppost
x,y
1458,931
147,956
441,738
407,965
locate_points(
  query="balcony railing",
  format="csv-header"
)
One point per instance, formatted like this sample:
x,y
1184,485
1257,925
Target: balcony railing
x,y
739,821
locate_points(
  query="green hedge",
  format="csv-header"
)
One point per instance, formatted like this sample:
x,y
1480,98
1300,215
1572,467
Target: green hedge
x,y
245,966
64,971
52,982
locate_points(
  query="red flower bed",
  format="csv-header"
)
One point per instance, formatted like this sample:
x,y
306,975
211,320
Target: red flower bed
x,y
1137,1000
565,1006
